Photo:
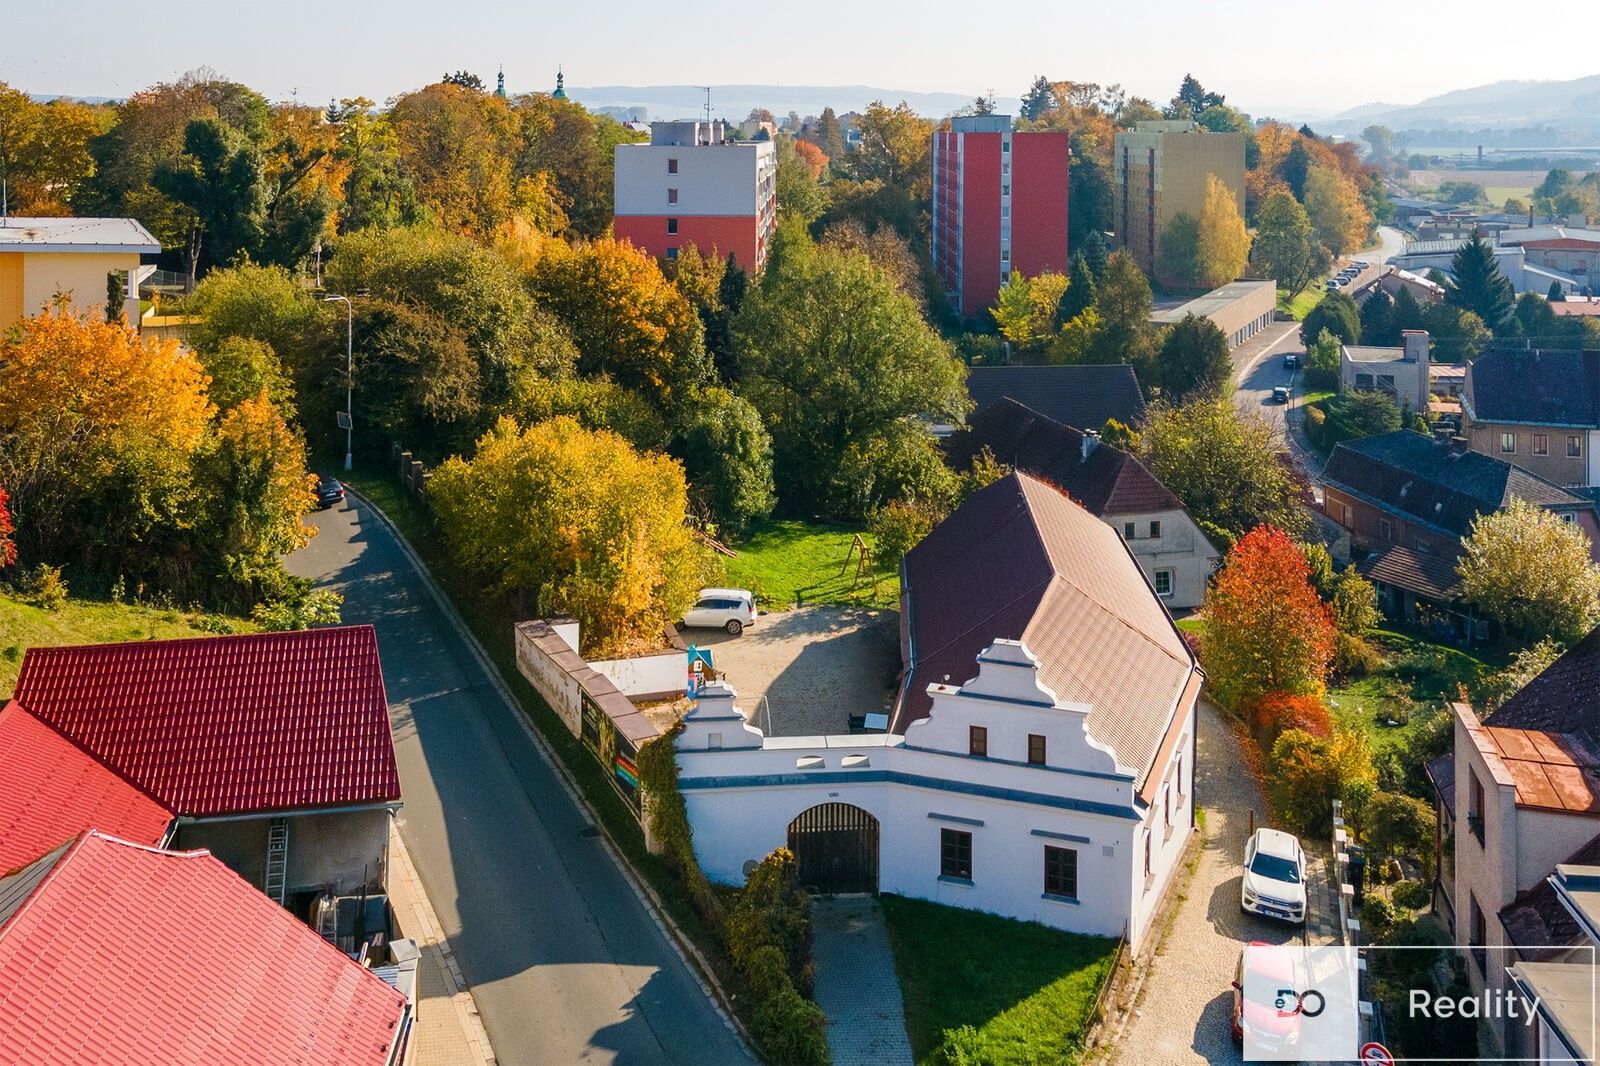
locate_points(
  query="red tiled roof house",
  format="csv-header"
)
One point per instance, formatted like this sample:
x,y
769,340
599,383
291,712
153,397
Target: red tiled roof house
x,y
273,751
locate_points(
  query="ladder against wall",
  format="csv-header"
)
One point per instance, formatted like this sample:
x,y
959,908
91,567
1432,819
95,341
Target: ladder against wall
x,y
277,859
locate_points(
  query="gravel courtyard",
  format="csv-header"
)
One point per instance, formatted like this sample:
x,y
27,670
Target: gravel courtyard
x,y
815,666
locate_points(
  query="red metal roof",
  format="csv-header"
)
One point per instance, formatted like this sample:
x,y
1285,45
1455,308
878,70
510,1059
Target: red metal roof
x,y
227,725
51,790
1563,244
121,953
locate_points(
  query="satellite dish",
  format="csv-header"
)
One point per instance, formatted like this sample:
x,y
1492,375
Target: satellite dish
x,y
750,867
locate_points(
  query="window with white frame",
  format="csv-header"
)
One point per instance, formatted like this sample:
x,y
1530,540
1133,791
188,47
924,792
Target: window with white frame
x,y
1163,582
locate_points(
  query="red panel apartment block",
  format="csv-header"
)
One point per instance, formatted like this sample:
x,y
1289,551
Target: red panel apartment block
x,y
1039,163
999,204
739,236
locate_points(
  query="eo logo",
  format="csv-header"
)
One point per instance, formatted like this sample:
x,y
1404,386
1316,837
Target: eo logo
x,y
1307,1004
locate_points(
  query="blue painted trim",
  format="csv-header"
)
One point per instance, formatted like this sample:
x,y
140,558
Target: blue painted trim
x,y
1098,775
846,777
1053,898
1007,662
964,882
1061,836
1014,701
936,816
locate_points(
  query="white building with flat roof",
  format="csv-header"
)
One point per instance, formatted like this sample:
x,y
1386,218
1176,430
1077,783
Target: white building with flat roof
x,y
43,258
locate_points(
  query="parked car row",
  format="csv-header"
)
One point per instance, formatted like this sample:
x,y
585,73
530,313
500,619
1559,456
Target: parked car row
x,y
1273,885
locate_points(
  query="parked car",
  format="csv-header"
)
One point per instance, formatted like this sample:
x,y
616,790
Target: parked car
x,y
1332,286
1269,1028
729,609
1274,882
1280,394
1362,264
330,493
1291,361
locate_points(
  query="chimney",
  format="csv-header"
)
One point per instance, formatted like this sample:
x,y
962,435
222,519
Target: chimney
x,y
1458,444
1417,346
1091,441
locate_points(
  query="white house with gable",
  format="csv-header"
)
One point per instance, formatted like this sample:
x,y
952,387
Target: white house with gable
x,y
1051,779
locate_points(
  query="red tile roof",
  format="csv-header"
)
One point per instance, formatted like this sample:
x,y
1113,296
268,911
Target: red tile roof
x,y
51,790
227,725
121,953
1019,559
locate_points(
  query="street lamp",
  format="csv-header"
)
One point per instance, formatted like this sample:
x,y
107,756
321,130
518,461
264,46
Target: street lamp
x,y
349,374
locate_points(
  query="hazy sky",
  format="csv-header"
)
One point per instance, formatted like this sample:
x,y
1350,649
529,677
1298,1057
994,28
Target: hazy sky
x,y
1264,54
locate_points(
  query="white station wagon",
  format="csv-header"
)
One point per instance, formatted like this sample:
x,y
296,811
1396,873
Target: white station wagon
x,y
729,609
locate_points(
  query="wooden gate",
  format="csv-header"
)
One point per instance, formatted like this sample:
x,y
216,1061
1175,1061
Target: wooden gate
x,y
836,847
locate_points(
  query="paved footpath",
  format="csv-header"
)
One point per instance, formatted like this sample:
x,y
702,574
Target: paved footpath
x,y
855,984
1183,1013
565,961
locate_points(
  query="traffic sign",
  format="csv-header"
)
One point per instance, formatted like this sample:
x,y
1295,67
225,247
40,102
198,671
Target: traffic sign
x,y
1375,1054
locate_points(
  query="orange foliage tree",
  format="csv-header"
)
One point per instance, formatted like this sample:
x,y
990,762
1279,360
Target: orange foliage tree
x,y
1277,712
1266,628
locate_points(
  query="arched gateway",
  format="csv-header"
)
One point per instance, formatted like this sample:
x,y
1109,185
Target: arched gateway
x,y
836,846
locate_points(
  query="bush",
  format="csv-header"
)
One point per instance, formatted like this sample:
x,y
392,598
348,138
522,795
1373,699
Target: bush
x,y
1277,712
1355,657
960,1047
790,1028
1412,895
1307,773
1354,602
1316,420
1379,918
1400,826
43,586
896,528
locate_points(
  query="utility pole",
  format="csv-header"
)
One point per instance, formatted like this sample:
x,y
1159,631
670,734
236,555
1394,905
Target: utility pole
x,y
349,376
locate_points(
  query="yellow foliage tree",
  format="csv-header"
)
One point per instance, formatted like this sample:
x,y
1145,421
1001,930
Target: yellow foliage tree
x,y
626,318
578,520
1026,307
1338,215
1224,246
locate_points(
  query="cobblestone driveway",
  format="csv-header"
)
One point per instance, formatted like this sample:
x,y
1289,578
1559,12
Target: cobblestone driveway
x,y
815,665
1183,1010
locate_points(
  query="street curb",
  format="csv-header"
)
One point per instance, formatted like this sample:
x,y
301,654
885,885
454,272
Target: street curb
x,y
681,944
430,936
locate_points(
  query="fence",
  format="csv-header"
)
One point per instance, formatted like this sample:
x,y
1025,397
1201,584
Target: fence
x,y
413,473
1370,1009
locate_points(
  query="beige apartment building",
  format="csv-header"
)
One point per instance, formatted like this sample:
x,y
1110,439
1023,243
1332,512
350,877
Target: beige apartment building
x,y
1159,172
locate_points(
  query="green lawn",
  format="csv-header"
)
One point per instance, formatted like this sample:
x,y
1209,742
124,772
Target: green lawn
x,y
788,562
1298,307
1417,679
1026,991
24,626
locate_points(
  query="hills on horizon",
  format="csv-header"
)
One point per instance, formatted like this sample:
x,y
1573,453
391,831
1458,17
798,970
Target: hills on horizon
x,y
1571,106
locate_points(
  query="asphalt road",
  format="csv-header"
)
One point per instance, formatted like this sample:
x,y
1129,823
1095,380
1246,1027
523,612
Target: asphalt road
x,y
566,962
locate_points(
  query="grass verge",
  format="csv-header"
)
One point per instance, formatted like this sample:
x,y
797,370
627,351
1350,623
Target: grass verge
x,y
490,618
1004,991
801,563
1298,307
80,621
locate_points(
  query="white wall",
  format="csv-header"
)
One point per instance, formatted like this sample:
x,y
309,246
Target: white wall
x,y
552,680
1181,548
647,675
743,789
720,179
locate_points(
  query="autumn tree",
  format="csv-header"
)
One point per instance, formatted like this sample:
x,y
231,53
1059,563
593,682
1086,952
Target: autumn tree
x,y
573,521
627,320
830,138
456,148
251,473
1025,310
1224,244
1334,205
8,547
1283,249
840,364
800,165
44,151
1266,629
1531,572
243,368
375,191
1306,773
1224,465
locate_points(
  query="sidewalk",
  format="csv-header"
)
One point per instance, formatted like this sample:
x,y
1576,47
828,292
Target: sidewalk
x,y
856,986
448,1031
